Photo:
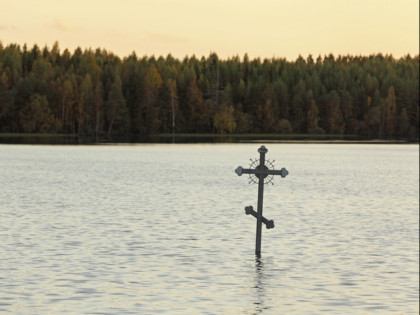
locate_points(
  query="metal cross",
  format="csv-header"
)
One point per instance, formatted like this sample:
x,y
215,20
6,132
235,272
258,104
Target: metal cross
x,y
261,172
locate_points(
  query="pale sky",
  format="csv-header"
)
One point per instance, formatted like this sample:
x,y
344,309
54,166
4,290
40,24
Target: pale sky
x,y
261,28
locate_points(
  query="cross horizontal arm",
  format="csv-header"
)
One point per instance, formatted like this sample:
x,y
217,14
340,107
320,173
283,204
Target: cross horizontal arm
x,y
240,170
283,172
250,171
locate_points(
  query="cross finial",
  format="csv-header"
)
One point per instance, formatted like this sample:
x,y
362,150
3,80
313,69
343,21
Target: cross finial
x,y
262,149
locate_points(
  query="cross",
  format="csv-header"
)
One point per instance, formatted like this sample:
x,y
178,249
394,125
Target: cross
x,y
261,171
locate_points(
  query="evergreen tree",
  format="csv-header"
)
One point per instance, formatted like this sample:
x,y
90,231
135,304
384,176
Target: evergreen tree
x,y
116,110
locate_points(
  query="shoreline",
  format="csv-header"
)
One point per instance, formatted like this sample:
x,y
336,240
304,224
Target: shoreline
x,y
69,139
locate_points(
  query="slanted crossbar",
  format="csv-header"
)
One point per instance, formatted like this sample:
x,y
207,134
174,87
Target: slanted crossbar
x,y
269,224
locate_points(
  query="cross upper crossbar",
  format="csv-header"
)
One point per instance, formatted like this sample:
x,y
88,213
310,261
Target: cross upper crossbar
x,y
261,171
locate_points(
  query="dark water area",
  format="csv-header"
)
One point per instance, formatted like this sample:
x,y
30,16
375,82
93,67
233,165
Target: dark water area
x,y
186,138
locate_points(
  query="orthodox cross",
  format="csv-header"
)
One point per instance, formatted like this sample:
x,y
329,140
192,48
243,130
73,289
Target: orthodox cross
x,y
261,171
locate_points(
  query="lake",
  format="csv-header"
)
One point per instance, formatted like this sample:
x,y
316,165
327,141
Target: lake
x,y
161,229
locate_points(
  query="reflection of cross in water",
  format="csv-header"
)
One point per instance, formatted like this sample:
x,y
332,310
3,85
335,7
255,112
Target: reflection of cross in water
x,y
260,286
261,172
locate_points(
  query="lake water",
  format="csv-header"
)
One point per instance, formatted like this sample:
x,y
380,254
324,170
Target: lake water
x,y
154,229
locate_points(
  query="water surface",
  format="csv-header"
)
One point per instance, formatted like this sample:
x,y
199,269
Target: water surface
x,y
150,229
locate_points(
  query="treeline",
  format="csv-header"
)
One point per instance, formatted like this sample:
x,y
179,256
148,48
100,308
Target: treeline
x,y
94,92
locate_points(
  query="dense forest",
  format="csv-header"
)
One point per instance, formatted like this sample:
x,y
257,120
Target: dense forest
x,y
94,92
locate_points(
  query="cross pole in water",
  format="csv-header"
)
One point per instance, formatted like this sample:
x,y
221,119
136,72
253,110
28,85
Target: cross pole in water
x,y
261,172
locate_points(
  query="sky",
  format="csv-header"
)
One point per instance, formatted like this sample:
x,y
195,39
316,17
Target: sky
x,y
259,28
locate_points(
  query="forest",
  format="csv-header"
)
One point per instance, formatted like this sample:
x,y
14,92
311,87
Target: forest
x,y
94,92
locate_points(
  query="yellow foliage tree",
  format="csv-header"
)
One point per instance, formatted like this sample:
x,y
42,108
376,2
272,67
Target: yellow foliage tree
x,y
224,121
